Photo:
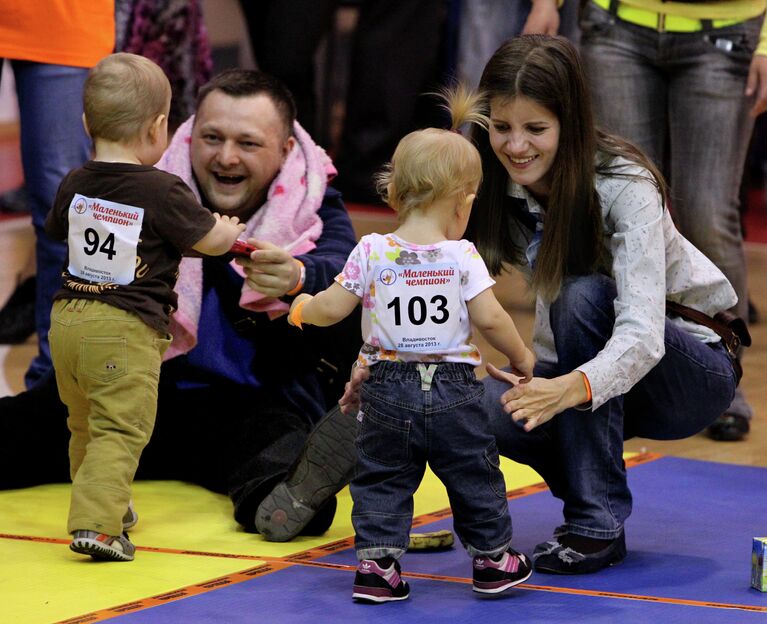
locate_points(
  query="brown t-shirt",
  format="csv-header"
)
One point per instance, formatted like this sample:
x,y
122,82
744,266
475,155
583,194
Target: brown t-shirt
x,y
133,217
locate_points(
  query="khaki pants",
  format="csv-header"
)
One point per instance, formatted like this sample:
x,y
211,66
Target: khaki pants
x,y
107,364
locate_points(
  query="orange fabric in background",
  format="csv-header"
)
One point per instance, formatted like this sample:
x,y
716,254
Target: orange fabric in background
x,y
60,32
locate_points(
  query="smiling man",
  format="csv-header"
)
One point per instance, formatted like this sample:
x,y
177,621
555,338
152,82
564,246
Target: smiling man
x,y
242,391
238,145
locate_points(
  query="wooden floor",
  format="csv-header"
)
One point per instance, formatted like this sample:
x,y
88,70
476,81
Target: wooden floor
x,y
16,239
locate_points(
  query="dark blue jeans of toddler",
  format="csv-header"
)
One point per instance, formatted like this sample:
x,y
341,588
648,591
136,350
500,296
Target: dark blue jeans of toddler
x,y
407,420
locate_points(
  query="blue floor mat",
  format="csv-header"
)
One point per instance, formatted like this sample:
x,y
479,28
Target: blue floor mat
x,y
689,542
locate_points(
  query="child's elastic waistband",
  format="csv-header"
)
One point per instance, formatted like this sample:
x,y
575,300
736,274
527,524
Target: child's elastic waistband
x,y
409,371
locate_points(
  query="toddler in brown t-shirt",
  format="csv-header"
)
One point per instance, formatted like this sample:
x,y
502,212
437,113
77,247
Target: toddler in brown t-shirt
x,y
127,225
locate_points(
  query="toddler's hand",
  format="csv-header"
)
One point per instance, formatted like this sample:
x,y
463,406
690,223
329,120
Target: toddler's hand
x,y
525,367
232,220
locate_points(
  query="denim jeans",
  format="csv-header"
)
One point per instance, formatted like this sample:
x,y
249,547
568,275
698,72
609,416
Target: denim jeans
x,y
579,453
486,24
680,98
403,426
53,141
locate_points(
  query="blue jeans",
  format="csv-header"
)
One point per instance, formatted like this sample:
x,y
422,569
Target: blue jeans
x,y
579,453
485,24
53,142
403,427
680,98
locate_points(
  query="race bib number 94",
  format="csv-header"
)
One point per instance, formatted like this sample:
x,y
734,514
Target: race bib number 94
x,y
103,239
419,306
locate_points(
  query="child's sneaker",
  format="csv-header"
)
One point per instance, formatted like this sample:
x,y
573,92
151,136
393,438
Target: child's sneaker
x,y
103,547
492,577
374,583
130,518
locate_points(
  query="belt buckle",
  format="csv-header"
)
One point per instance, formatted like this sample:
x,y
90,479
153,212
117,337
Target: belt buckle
x,y
732,345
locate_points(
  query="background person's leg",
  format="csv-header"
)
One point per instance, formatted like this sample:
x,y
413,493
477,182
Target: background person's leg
x,y
285,35
629,91
53,142
710,129
395,59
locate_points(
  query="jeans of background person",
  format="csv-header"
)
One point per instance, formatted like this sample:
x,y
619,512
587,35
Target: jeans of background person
x,y
395,60
107,364
486,24
579,453
680,98
403,426
285,35
53,141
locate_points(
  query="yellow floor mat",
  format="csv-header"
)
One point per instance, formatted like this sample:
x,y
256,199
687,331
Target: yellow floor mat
x,y
44,582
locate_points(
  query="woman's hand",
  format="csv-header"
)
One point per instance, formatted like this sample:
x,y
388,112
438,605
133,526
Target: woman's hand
x,y
757,84
350,401
533,403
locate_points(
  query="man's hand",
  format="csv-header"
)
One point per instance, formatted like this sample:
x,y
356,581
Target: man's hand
x,y
543,18
350,401
270,270
757,84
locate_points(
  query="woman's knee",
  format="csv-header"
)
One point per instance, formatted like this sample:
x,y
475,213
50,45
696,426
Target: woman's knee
x,y
584,298
583,293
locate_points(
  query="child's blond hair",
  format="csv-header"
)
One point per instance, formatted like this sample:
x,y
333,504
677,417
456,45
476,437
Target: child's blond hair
x,y
433,164
122,93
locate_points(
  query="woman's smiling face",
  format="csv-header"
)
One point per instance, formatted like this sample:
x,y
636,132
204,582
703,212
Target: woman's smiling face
x,y
525,137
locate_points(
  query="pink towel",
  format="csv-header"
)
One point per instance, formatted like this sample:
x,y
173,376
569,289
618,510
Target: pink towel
x,y
288,218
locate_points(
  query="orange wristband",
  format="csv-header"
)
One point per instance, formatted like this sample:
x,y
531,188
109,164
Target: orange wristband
x,y
295,314
301,277
588,387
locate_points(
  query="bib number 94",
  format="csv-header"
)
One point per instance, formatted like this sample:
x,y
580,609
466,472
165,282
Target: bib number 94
x,y
92,243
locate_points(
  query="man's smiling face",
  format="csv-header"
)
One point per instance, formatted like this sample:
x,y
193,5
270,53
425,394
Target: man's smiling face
x,y
238,147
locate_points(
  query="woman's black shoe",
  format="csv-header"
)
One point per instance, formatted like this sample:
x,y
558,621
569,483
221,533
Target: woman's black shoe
x,y
553,558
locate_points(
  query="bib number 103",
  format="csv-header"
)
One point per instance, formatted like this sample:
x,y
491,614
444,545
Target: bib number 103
x,y
418,310
94,244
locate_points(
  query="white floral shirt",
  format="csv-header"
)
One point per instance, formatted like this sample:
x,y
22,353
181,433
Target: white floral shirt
x,y
651,263
414,298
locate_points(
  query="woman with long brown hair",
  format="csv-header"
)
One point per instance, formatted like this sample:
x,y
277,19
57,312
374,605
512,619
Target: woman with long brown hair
x,y
582,214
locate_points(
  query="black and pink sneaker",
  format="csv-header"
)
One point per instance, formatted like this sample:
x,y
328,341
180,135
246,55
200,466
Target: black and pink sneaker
x,y
492,577
379,580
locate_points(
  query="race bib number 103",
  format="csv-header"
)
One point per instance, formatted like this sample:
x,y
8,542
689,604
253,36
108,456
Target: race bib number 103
x,y
419,307
103,239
